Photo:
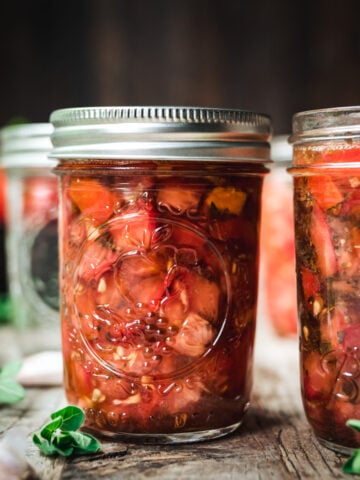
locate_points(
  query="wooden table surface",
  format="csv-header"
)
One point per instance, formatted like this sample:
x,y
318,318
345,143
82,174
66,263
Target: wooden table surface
x,y
274,442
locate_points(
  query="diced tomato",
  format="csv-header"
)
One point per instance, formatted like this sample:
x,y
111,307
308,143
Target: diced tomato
x,y
352,337
107,291
178,199
141,278
115,388
96,260
351,204
78,377
322,240
344,411
346,237
92,198
186,237
175,308
310,286
204,296
132,231
325,191
318,383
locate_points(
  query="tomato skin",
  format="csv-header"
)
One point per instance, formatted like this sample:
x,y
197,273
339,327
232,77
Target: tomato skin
x,y
323,244
316,384
176,198
96,260
92,198
311,286
351,206
325,191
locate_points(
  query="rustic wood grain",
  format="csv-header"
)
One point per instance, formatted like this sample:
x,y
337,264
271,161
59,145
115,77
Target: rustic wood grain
x,y
274,442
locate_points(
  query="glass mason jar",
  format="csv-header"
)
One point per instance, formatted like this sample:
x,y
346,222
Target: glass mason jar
x,y
277,265
31,235
326,172
159,227
3,274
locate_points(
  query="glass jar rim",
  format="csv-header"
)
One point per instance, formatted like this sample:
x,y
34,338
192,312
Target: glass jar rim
x,y
26,145
160,132
325,123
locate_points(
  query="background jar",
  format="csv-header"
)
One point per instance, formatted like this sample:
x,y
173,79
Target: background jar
x,y
326,171
31,235
159,227
278,292
4,315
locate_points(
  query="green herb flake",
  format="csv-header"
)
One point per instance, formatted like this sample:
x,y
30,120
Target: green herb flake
x,y
10,390
61,436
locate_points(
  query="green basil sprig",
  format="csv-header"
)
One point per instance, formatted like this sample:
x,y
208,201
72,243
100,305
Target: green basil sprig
x,y
352,465
60,436
10,390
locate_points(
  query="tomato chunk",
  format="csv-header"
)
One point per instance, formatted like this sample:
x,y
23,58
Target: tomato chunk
x,y
92,198
322,240
325,191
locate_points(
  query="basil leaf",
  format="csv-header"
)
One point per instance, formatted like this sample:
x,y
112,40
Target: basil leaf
x,y
72,417
63,444
60,436
10,390
352,465
10,369
353,423
84,443
44,445
48,430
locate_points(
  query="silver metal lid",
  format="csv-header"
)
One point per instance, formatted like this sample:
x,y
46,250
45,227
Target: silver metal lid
x,y
339,122
26,145
160,132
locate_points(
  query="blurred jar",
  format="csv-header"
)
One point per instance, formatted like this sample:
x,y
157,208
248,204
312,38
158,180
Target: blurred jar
x,y
159,222
278,242
326,172
31,235
4,310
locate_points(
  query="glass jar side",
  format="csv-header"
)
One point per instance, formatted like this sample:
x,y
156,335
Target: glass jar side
x,y
277,267
32,255
327,207
158,272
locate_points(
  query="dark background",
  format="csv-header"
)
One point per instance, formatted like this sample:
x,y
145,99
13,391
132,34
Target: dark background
x,y
273,56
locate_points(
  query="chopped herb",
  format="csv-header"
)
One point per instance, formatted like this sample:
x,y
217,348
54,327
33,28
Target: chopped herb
x,y
60,436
